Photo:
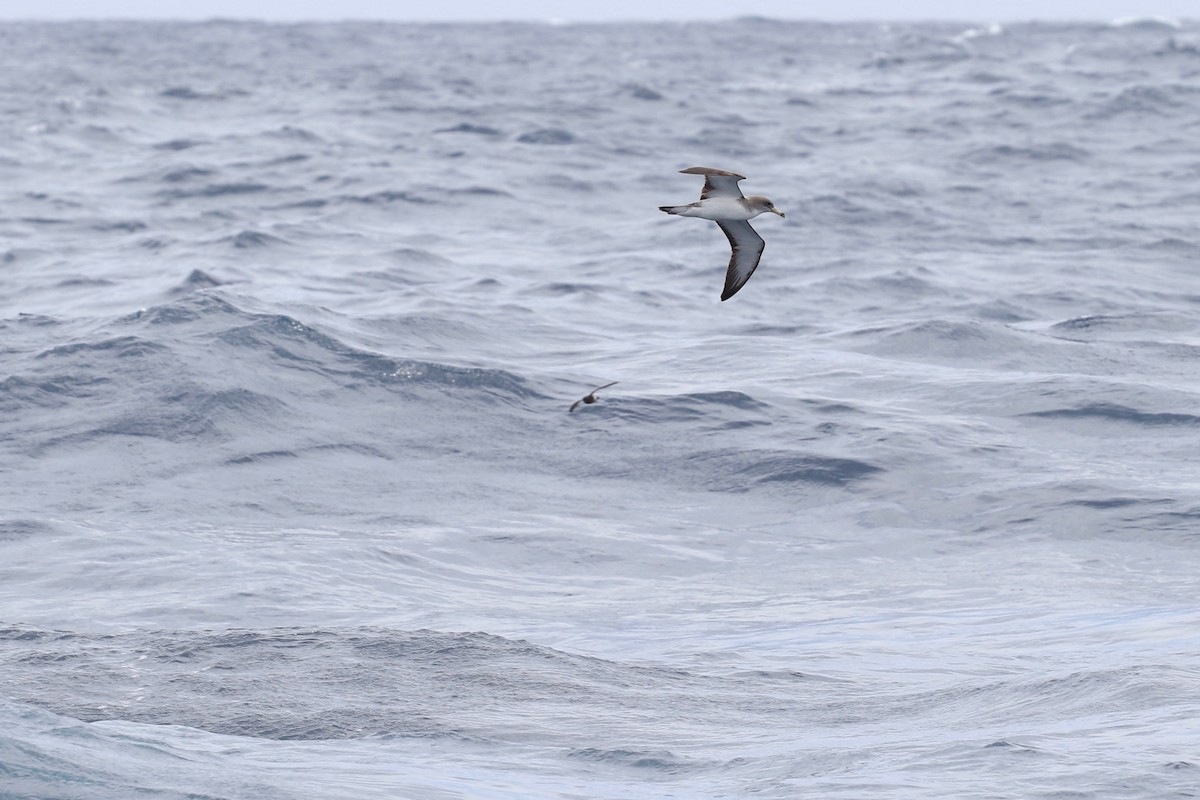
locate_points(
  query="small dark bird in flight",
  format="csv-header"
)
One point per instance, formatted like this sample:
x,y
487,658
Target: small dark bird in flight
x,y
590,398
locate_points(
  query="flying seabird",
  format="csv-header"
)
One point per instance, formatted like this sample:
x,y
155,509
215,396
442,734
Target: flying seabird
x,y
590,398
721,201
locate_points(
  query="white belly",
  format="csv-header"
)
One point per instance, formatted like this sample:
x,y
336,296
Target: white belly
x,y
721,208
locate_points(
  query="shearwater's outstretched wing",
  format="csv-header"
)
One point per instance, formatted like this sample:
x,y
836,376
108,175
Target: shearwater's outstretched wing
x,y
717,182
747,247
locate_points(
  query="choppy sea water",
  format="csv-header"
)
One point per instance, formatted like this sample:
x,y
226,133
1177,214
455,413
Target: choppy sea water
x,y
291,505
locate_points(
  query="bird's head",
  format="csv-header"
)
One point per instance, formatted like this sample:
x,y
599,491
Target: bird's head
x,y
765,204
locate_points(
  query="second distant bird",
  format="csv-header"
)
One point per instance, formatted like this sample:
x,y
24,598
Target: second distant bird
x,y
722,201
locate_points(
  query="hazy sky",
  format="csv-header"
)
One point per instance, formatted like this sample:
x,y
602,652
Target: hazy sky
x,y
997,10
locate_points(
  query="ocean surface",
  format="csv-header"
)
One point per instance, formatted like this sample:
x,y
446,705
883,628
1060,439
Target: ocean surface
x,y
292,506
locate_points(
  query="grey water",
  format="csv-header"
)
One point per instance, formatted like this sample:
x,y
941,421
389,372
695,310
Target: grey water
x,y
291,504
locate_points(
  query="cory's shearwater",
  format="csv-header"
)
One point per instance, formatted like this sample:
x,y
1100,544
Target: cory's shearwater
x,y
721,201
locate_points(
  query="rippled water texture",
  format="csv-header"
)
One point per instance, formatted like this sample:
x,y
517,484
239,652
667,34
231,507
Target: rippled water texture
x,y
291,505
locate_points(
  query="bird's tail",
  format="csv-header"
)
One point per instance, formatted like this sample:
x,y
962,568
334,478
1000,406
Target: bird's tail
x,y
673,209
